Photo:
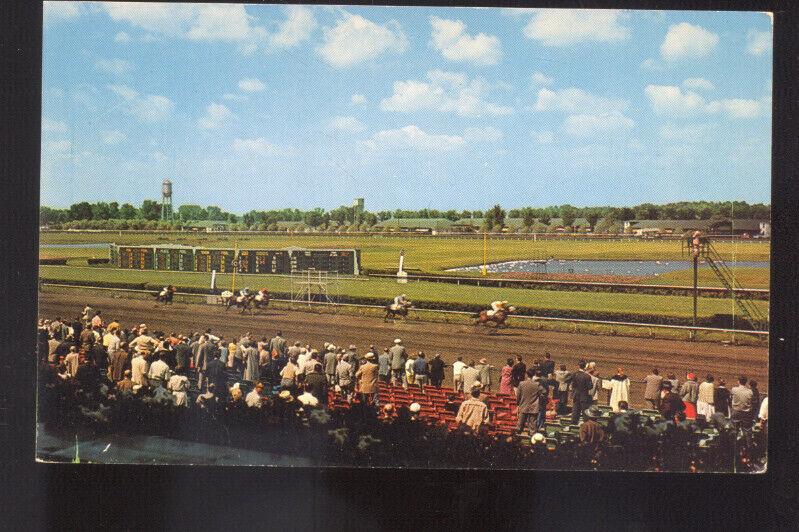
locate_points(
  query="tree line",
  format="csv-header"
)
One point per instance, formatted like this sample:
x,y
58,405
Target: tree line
x,y
112,215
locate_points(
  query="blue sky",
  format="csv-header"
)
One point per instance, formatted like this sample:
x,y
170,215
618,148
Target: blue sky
x,y
259,107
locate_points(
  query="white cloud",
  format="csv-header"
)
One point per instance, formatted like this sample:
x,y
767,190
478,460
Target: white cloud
x,y
758,42
686,40
541,80
348,124
235,97
698,84
564,27
152,108
585,125
297,27
412,137
671,100
199,22
482,134
122,37
445,92
355,39
113,137
574,100
543,137
55,11
124,91
258,146
651,65
216,116
450,38
57,146
738,107
251,85
358,99
54,126
116,66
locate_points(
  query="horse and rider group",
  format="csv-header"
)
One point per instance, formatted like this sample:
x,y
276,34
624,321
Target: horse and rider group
x,y
247,301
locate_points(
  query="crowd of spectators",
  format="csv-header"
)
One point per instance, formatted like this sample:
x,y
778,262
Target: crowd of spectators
x,y
97,375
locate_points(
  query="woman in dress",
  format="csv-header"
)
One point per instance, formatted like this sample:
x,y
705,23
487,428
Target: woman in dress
x,y
505,385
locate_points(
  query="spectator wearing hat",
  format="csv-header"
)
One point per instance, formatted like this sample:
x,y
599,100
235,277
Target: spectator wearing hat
x,y
117,362
367,380
472,413
414,410
672,406
252,362
215,370
652,388
398,357
159,370
384,366
409,375
484,372
344,378
182,353
457,374
561,388
421,370
469,375
437,370
591,432
528,401
330,362
178,384
72,361
704,402
139,366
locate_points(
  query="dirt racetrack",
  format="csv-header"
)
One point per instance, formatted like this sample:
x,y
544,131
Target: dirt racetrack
x,y
636,356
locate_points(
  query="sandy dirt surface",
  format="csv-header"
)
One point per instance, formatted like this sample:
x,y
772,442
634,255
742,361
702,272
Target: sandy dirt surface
x,y
636,356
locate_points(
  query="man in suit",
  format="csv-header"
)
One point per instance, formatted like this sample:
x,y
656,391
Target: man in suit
x,y
215,372
528,399
277,345
548,365
367,380
398,357
316,382
581,386
672,407
204,351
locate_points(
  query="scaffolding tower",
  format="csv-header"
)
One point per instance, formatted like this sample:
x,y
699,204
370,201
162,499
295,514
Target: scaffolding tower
x,y
313,286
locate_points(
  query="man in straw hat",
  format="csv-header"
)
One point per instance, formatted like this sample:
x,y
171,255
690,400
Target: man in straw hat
x,y
591,432
367,380
398,357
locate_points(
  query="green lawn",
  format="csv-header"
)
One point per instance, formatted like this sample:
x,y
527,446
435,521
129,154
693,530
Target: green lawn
x,y
671,306
429,254
746,277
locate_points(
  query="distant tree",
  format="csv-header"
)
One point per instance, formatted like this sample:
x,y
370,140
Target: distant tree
x,y
80,211
101,211
192,212
150,210
128,212
568,215
592,217
539,227
113,210
315,218
451,215
215,213
495,217
369,219
477,214
647,211
545,218
383,215
528,217
466,214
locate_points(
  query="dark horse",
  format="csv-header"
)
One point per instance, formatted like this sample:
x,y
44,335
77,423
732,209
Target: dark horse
x,y
401,312
498,319
243,303
165,296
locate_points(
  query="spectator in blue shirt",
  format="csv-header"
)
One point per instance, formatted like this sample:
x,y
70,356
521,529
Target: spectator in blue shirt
x,y
421,370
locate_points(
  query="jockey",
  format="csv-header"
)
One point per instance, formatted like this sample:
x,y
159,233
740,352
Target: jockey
x,y
165,291
400,301
245,291
496,306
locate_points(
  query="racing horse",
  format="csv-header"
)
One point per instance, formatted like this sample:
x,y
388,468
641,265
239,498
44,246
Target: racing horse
x,y
498,319
393,311
166,296
261,299
229,299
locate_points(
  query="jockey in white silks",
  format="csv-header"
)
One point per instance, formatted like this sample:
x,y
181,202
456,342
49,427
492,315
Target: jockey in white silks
x,y
164,291
261,294
243,293
401,301
496,306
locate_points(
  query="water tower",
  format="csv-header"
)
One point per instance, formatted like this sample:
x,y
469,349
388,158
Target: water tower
x,y
166,200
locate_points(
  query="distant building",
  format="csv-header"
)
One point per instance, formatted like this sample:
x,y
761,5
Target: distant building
x,y
358,205
415,225
738,227
209,226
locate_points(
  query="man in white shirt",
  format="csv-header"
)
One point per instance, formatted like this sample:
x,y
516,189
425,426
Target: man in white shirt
x,y
159,370
253,398
307,398
179,384
457,373
138,367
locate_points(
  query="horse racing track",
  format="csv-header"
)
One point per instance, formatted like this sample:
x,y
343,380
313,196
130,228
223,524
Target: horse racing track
x,y
635,356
